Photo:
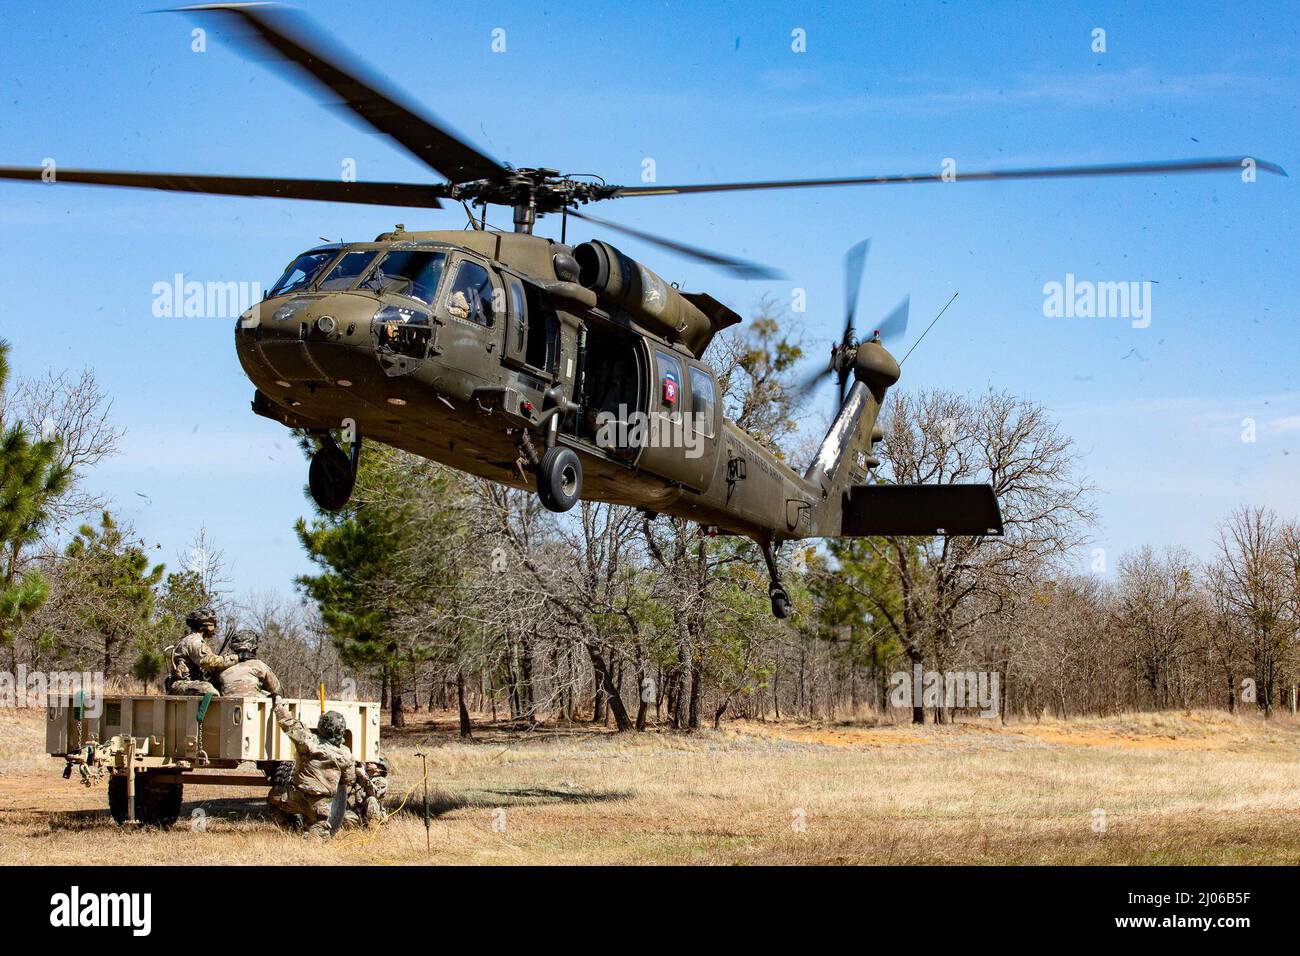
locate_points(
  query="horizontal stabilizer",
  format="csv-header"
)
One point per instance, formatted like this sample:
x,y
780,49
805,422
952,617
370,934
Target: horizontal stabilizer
x,y
901,510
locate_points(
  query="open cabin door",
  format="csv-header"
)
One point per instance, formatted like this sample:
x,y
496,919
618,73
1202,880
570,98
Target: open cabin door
x,y
609,389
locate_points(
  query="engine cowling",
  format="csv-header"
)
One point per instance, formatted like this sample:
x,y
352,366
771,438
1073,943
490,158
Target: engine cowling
x,y
621,281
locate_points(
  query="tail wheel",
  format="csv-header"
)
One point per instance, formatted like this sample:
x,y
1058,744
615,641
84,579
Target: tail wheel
x,y
331,477
559,479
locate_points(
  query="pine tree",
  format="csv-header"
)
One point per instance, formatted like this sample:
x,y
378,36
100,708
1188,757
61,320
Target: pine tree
x,y
114,585
31,478
395,546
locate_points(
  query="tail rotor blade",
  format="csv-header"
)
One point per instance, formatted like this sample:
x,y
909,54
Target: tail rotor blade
x,y
806,385
854,261
894,326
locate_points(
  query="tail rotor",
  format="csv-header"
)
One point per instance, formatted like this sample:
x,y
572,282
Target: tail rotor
x,y
891,330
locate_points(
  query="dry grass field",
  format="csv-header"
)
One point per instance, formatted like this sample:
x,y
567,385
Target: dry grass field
x,y
1196,788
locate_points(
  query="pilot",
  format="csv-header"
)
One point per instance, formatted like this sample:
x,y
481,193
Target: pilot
x,y
250,677
193,664
458,305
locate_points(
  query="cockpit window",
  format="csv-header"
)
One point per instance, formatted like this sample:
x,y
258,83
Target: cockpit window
x,y
300,272
347,270
413,272
471,295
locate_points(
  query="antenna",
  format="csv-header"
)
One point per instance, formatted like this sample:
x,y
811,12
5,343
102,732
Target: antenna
x,y
929,327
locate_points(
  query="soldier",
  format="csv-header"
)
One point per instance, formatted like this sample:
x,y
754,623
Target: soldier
x,y
322,762
250,677
368,804
193,664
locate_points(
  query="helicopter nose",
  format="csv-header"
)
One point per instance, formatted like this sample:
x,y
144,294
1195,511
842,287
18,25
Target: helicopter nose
x,y
315,339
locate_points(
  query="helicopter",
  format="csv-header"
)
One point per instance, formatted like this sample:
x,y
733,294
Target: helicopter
x,y
574,371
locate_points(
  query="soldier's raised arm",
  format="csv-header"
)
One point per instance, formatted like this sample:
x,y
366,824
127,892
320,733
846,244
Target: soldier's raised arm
x,y
216,663
303,739
363,779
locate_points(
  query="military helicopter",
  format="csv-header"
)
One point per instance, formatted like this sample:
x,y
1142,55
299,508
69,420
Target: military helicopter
x,y
548,366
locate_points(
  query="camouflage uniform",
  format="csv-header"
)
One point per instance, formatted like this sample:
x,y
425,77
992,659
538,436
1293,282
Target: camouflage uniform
x,y
250,677
320,766
193,662
369,801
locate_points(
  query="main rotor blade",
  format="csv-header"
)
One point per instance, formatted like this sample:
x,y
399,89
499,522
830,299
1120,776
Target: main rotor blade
x,y
854,260
1038,172
323,190
289,37
738,267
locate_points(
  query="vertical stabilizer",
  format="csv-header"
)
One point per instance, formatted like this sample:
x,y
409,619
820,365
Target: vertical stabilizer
x,y
844,457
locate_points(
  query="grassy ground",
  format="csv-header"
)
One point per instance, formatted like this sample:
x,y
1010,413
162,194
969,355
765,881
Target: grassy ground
x,y
1142,788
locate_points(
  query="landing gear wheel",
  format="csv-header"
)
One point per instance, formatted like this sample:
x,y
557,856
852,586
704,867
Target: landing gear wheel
x,y
780,603
332,476
559,479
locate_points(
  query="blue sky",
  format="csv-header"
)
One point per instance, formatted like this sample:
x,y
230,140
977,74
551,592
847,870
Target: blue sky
x,y
709,94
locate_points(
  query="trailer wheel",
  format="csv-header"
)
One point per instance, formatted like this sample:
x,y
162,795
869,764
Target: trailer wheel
x,y
117,798
156,804
282,776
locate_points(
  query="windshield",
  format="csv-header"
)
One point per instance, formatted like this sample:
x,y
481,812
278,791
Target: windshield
x,y
300,271
413,272
345,273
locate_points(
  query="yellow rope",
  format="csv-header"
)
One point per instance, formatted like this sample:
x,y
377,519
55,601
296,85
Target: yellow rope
x,y
387,816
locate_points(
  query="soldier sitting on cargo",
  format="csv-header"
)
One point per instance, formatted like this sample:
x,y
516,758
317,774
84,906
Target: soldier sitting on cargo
x,y
322,762
193,664
250,677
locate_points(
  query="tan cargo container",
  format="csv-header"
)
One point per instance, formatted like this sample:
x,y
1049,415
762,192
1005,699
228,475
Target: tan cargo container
x,y
150,747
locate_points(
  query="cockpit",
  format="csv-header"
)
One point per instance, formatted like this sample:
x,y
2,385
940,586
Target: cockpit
x,y
414,273
302,271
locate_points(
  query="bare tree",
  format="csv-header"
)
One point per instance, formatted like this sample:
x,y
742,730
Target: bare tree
x,y
949,586
76,409
1259,590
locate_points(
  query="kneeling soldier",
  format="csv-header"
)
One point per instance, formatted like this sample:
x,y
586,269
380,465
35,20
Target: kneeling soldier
x,y
322,762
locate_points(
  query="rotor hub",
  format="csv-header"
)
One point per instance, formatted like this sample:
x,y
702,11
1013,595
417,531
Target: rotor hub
x,y
532,192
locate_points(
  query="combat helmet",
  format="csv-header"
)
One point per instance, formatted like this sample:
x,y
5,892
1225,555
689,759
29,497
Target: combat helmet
x,y
333,728
244,643
200,616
